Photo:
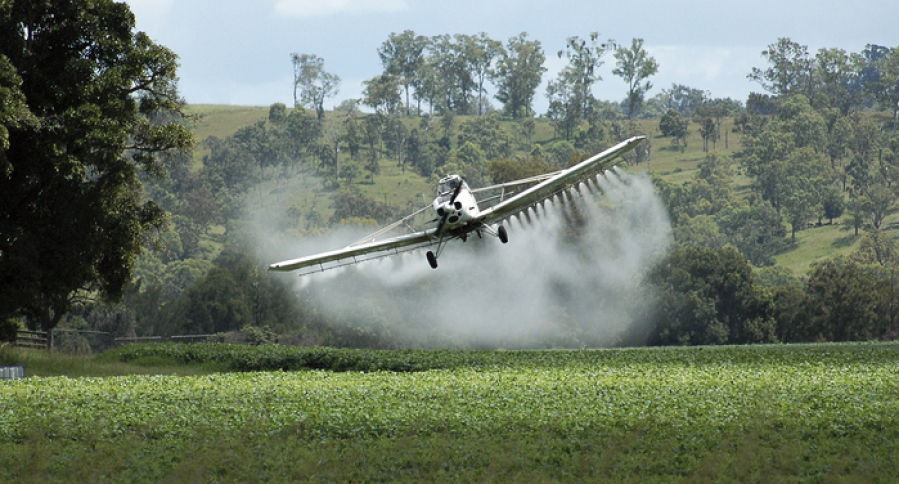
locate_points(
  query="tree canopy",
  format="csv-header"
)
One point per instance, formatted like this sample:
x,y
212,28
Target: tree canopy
x,y
88,103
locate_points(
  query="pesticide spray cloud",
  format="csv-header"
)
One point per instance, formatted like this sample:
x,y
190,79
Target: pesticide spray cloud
x,y
569,276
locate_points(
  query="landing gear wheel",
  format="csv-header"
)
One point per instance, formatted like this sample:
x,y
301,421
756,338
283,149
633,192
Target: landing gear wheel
x,y
503,236
432,259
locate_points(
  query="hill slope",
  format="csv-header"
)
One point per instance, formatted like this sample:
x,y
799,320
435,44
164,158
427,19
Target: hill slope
x,y
405,189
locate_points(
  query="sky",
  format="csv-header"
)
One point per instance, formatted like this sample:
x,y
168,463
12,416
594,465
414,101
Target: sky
x,y
238,51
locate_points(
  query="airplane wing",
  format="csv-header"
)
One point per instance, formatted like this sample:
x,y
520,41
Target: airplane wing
x,y
396,244
562,180
546,186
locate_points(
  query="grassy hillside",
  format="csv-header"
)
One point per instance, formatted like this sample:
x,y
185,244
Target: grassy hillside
x,y
221,121
403,189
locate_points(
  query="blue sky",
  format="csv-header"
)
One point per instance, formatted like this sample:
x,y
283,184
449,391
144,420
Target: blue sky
x,y
238,51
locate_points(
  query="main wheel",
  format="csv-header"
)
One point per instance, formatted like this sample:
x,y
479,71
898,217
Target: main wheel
x,y
503,236
432,259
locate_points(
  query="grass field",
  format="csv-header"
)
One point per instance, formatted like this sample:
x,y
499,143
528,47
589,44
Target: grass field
x,y
221,121
815,413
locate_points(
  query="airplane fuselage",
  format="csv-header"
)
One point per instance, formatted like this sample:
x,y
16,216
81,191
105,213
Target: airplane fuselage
x,y
455,205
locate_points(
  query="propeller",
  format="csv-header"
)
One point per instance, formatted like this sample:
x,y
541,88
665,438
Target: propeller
x,y
446,213
456,192
442,221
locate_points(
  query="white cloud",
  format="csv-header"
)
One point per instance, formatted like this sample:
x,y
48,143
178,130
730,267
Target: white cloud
x,y
319,8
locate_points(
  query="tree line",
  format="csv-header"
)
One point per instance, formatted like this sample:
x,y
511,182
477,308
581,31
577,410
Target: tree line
x,y
815,151
450,73
105,224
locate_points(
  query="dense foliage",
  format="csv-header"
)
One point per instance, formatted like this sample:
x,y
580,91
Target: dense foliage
x,y
87,104
707,296
814,150
711,296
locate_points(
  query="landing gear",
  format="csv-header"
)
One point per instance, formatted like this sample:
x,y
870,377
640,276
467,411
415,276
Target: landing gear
x,y
503,236
499,232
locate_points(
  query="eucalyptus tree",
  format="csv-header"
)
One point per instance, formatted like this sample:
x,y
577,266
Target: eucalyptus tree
x,y
402,55
865,147
708,128
563,110
838,73
451,76
313,82
480,53
683,98
88,104
674,125
791,69
583,66
806,177
302,130
382,94
427,88
768,155
518,73
886,87
634,66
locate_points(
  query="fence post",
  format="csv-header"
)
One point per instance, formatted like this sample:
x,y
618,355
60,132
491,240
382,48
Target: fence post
x,y
50,338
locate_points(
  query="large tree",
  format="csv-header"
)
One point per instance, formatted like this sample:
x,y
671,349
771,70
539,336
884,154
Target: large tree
x,y
480,52
403,56
382,94
839,73
684,99
707,296
313,82
767,152
634,66
451,80
583,66
790,71
518,73
102,106
886,88
845,303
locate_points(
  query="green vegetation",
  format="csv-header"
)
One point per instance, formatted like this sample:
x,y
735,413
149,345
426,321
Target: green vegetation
x,y
762,413
221,122
782,213
88,106
107,225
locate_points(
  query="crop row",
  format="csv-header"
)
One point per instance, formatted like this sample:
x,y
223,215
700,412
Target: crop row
x,y
837,389
275,357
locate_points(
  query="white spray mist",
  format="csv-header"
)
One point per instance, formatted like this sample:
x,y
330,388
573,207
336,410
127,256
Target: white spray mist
x,y
569,276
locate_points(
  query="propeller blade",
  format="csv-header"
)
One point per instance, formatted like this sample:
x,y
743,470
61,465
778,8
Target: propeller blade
x,y
456,193
440,225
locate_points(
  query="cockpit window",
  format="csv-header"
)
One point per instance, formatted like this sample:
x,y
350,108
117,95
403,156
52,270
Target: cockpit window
x,y
448,185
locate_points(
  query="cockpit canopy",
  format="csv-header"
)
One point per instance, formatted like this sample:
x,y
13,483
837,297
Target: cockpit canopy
x,y
449,183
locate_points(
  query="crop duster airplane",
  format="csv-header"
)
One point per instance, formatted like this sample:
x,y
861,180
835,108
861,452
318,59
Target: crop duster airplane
x,y
458,214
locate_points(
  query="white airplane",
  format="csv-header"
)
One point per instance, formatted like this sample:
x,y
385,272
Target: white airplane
x,y
458,214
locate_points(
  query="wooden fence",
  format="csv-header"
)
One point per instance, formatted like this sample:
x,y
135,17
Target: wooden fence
x,y
32,339
82,341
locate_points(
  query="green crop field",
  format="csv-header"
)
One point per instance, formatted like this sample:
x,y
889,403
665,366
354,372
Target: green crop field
x,y
812,413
